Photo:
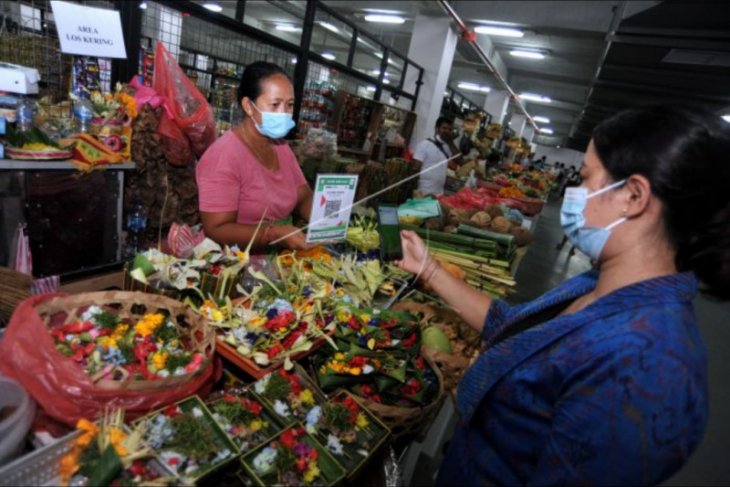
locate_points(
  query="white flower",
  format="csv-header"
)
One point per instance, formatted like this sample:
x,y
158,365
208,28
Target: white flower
x,y
367,369
281,408
197,412
314,415
334,444
260,385
264,461
164,373
179,371
90,313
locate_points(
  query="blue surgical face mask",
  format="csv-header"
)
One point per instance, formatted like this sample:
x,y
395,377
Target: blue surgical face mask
x,y
589,240
273,124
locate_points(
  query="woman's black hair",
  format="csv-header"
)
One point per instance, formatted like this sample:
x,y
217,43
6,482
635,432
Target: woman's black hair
x,y
685,155
253,75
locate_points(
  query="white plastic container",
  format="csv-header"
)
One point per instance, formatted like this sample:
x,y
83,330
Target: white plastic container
x,y
14,428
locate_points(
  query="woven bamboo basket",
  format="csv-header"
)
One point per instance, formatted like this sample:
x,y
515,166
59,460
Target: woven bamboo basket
x,y
131,306
404,421
452,366
14,287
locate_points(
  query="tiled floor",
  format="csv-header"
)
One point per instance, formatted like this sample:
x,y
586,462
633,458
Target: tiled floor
x,y
544,267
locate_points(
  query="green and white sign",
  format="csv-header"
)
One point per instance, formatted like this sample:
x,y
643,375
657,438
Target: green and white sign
x,y
331,207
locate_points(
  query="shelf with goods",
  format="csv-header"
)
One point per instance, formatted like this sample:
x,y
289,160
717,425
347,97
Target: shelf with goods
x,y
318,106
395,126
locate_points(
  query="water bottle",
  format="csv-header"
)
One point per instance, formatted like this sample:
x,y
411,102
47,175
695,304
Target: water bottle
x,y
136,226
83,113
24,114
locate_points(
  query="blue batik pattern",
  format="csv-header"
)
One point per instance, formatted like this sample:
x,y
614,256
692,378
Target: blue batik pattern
x,y
615,394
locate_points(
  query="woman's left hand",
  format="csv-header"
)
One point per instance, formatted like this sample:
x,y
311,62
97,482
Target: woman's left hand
x,y
293,238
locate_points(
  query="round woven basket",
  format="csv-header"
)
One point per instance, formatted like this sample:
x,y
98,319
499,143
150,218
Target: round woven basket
x,y
452,366
404,421
131,306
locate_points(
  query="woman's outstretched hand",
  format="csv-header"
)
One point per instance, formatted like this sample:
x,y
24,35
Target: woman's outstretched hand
x,y
415,254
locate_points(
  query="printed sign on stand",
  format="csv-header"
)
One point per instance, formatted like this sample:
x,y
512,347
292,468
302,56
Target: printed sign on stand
x,y
89,31
331,207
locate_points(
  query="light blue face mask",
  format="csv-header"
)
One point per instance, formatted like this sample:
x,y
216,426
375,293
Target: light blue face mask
x,y
589,240
273,124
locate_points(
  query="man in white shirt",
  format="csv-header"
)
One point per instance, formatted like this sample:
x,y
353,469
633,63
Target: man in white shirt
x,y
433,151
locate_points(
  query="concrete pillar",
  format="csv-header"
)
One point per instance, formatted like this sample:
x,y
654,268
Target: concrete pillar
x,y
518,123
433,44
529,133
496,105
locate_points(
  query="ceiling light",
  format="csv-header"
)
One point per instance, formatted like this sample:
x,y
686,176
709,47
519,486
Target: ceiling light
x,y
213,7
386,81
370,88
385,19
382,11
143,5
527,54
546,130
446,93
329,55
498,31
293,60
726,118
540,119
534,97
288,28
329,27
473,87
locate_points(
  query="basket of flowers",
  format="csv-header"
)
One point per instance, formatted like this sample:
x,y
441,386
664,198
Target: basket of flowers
x,y
379,361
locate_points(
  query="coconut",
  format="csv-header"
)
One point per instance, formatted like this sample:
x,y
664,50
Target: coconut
x,y
494,211
522,236
501,225
435,339
481,219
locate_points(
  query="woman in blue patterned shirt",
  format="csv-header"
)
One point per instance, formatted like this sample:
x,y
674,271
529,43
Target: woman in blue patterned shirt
x,y
603,381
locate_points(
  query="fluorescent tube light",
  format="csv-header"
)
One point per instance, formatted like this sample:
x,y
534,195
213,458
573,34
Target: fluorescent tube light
x,y
384,19
329,27
143,5
527,54
329,55
540,119
498,31
534,97
473,87
382,11
288,28
213,7
546,130
370,88
726,118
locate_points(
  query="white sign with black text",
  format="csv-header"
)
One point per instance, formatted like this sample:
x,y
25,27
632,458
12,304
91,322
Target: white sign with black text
x,y
89,31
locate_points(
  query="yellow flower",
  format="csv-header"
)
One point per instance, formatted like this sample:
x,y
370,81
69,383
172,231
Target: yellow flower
x,y
361,421
255,425
89,432
355,371
116,437
364,318
242,256
371,343
343,314
311,473
339,356
148,324
306,397
257,322
69,466
120,331
106,342
159,359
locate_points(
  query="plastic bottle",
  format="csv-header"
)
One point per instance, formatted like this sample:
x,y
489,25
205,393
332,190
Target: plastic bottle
x,y
136,226
83,112
24,114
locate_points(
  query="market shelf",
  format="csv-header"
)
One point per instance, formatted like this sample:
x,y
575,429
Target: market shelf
x,y
26,165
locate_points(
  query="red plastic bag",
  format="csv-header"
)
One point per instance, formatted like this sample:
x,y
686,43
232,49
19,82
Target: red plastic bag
x,y
184,104
62,388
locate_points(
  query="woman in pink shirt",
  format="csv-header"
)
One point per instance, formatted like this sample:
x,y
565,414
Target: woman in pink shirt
x,y
250,173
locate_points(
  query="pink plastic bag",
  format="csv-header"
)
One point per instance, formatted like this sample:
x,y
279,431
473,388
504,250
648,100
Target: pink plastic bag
x,y
184,103
62,388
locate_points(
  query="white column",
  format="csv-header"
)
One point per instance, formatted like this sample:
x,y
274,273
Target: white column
x,y
529,133
518,123
433,44
496,105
